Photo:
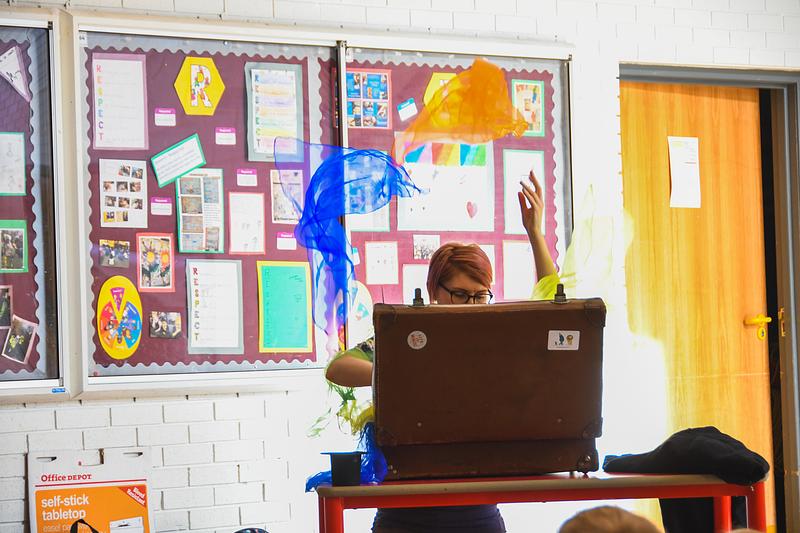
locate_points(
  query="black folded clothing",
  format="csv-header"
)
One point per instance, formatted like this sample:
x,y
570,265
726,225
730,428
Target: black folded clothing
x,y
703,450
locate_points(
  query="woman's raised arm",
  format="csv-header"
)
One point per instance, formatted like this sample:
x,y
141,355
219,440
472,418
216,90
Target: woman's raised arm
x,y
531,207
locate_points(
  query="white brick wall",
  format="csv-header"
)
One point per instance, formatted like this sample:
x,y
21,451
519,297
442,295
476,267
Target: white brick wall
x,y
228,461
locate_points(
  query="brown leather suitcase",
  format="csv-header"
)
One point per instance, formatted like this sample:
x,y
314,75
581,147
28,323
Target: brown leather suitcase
x,y
487,390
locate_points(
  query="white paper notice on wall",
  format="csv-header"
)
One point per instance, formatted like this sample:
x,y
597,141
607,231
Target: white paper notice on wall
x,y
684,170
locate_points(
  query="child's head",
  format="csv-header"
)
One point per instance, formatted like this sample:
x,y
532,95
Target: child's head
x,y
607,519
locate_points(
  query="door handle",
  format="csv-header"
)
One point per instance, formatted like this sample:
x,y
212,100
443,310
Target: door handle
x,y
761,321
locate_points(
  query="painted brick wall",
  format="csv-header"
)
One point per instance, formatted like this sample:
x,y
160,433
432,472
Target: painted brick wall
x,y
220,463
225,462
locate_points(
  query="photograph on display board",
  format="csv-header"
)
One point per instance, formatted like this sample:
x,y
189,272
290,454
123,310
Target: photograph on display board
x,y
116,254
13,246
425,245
165,325
13,70
6,307
12,163
201,212
155,253
123,193
369,99
19,340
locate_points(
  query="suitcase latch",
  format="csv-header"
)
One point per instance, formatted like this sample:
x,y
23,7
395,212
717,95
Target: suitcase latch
x,y
560,297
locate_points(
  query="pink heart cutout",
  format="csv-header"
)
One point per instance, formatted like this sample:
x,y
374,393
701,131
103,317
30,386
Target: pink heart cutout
x,y
472,209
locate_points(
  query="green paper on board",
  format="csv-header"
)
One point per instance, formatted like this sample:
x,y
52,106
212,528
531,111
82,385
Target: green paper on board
x,y
284,298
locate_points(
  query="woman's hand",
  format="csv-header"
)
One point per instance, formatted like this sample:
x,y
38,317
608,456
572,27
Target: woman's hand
x,y
531,206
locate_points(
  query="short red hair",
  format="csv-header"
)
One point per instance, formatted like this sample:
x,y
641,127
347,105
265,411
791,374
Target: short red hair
x,y
455,257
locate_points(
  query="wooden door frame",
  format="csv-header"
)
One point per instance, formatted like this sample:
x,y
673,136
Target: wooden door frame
x,y
784,87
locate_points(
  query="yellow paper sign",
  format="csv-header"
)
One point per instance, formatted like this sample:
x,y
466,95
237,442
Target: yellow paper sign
x,y
119,317
438,79
199,86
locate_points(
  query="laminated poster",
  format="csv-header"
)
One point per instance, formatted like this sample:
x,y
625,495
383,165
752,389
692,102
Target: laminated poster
x,y
12,164
119,317
285,185
381,263
369,99
528,98
274,109
214,294
457,182
123,193
177,160
201,212
517,165
120,101
518,270
247,223
284,302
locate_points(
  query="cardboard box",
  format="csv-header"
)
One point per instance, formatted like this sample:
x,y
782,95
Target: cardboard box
x,y
110,494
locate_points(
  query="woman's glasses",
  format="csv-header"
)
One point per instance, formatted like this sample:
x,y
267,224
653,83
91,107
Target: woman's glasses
x,y
461,297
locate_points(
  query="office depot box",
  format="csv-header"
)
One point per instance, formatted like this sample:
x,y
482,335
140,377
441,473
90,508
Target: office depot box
x,y
481,390
108,490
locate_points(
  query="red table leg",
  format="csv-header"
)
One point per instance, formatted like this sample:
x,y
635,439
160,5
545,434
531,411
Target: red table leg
x,y
757,508
321,511
722,514
334,515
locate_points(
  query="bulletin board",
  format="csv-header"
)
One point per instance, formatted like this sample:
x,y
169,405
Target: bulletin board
x,y
470,190
28,316
189,240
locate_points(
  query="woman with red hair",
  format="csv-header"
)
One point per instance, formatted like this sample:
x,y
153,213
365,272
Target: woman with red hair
x,y
457,274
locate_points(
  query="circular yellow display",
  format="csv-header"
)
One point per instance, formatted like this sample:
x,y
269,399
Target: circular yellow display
x,y
119,317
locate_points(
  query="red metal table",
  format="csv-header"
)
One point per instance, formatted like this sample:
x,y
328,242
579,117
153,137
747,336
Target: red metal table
x,y
551,488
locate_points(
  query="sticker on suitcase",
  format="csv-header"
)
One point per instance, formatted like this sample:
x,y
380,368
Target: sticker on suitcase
x,y
417,340
563,340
